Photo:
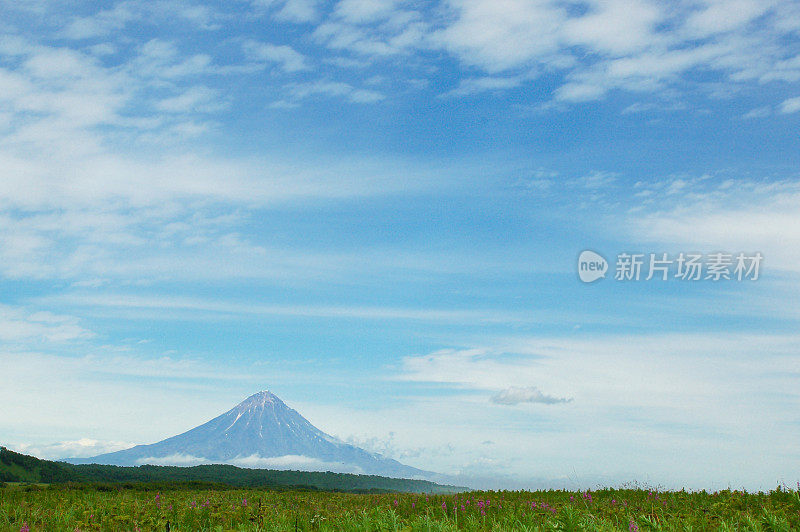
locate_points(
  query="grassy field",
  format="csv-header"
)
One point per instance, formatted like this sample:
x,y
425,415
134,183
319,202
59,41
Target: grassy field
x,y
59,508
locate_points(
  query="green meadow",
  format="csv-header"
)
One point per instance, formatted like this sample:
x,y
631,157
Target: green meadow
x,y
74,507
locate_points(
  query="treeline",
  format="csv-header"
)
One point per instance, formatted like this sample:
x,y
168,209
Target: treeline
x,y
16,467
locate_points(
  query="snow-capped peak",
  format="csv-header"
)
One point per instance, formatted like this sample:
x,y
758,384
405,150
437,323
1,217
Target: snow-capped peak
x,y
260,399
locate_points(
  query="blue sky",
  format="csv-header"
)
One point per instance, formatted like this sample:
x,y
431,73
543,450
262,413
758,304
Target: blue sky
x,y
375,209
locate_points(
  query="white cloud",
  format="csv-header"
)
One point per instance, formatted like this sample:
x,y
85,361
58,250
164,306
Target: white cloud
x,y
742,215
299,11
758,112
649,71
529,394
18,325
293,462
102,23
596,180
285,56
335,88
195,99
581,91
109,22
81,448
162,60
717,16
642,107
201,16
792,105
379,30
615,27
787,70
364,11
471,86
177,459
366,96
283,104
289,462
501,35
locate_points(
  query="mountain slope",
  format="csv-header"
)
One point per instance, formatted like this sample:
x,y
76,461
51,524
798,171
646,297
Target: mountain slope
x,y
260,432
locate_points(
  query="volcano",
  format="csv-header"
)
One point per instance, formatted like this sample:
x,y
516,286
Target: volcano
x,y
260,432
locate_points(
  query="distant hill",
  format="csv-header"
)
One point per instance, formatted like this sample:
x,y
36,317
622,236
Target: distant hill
x,y
260,432
16,467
